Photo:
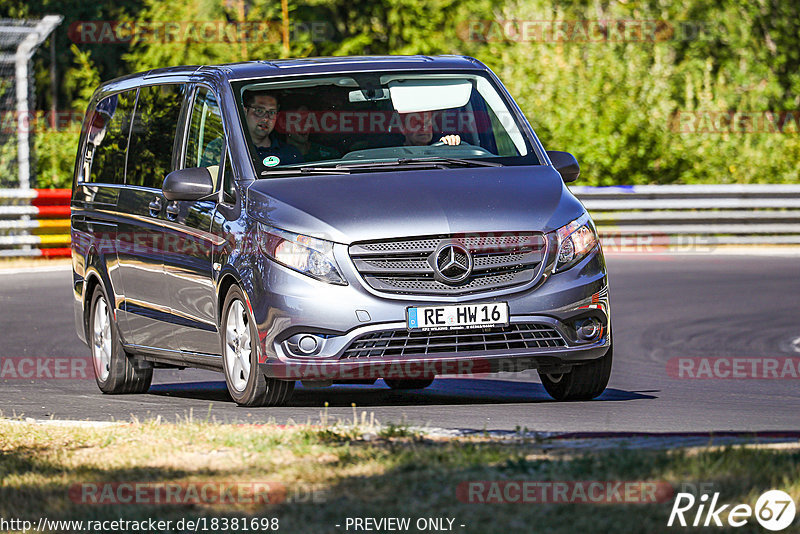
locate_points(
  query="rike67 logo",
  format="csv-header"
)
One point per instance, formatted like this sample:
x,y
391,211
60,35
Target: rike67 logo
x,y
774,510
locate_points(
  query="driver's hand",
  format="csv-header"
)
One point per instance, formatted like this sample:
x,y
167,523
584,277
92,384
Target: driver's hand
x,y
451,140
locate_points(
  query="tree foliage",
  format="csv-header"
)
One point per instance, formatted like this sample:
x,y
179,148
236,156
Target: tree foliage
x,y
617,104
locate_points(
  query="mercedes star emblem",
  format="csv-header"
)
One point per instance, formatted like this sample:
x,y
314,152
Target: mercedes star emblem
x,y
453,263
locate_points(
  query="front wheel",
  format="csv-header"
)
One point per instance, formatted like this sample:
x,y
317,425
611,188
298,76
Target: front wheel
x,y
115,371
247,385
584,382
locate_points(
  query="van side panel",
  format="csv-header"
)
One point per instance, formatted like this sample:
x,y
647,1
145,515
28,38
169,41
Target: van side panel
x,y
79,232
142,207
99,175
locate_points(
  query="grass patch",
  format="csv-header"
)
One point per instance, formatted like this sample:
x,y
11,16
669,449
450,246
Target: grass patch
x,y
320,475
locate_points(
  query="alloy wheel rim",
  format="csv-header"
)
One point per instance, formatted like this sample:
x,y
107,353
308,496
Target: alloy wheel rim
x,y
101,340
237,346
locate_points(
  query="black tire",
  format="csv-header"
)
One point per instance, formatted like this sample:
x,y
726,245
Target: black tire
x,y
399,383
584,382
250,388
115,371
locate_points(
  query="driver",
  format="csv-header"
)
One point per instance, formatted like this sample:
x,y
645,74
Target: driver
x,y
261,114
418,130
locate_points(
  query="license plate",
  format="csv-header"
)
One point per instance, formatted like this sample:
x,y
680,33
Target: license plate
x,y
457,316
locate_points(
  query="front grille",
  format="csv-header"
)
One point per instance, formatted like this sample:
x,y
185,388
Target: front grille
x,y
489,281
405,266
399,343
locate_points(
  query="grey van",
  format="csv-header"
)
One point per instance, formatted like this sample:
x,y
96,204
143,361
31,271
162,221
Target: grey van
x,y
331,220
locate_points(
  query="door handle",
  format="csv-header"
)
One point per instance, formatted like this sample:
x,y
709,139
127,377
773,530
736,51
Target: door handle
x,y
155,207
173,210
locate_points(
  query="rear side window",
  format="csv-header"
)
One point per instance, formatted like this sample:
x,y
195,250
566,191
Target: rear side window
x,y
107,139
153,134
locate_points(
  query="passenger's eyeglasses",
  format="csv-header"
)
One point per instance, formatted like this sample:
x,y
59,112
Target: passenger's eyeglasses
x,y
260,112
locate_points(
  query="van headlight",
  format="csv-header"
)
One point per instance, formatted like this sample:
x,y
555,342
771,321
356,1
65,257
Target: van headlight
x,y
575,241
308,255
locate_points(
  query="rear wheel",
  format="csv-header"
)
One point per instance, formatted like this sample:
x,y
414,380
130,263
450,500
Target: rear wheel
x,y
397,383
115,371
247,385
584,382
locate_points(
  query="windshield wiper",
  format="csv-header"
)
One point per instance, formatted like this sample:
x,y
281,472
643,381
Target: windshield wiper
x,y
434,162
305,170
454,161
342,168
393,163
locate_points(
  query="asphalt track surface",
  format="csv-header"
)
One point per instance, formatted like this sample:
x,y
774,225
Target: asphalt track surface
x,y
663,307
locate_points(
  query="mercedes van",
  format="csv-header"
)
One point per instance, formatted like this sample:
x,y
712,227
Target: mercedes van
x,y
331,220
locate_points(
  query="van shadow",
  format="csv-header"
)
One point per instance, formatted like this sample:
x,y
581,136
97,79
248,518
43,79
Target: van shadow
x,y
443,391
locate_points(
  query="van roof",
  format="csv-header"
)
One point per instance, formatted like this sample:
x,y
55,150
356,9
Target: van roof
x,y
322,65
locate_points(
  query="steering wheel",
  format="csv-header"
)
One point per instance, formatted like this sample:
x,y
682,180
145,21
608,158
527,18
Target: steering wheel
x,y
442,143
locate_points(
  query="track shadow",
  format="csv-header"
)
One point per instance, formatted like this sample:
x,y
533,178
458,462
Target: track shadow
x,y
443,391
209,391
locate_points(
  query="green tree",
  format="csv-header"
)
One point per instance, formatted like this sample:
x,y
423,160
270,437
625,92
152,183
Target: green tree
x,y
616,104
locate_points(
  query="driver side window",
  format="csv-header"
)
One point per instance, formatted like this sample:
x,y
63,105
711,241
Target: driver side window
x,y
206,141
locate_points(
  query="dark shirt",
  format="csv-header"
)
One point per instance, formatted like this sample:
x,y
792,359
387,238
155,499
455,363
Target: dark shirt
x,y
319,152
286,153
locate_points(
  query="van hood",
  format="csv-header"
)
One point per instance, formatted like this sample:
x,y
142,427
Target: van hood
x,y
384,205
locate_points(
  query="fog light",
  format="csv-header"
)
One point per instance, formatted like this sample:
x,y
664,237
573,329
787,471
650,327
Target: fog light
x,y
588,329
307,344
304,345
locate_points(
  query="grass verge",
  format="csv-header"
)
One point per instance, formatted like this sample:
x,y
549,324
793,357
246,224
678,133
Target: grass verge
x,y
316,477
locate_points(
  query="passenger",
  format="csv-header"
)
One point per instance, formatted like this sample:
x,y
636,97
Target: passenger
x,y
418,130
261,114
309,150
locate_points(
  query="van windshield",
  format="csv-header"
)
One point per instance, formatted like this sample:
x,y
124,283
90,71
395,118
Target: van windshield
x,y
353,120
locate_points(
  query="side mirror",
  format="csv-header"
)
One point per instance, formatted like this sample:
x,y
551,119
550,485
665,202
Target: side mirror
x,y
566,165
194,183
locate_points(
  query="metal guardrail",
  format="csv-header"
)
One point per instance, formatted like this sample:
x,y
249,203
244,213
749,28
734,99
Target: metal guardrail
x,y
36,222
707,215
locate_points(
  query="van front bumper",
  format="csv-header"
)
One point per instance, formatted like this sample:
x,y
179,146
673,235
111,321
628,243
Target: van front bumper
x,y
358,335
